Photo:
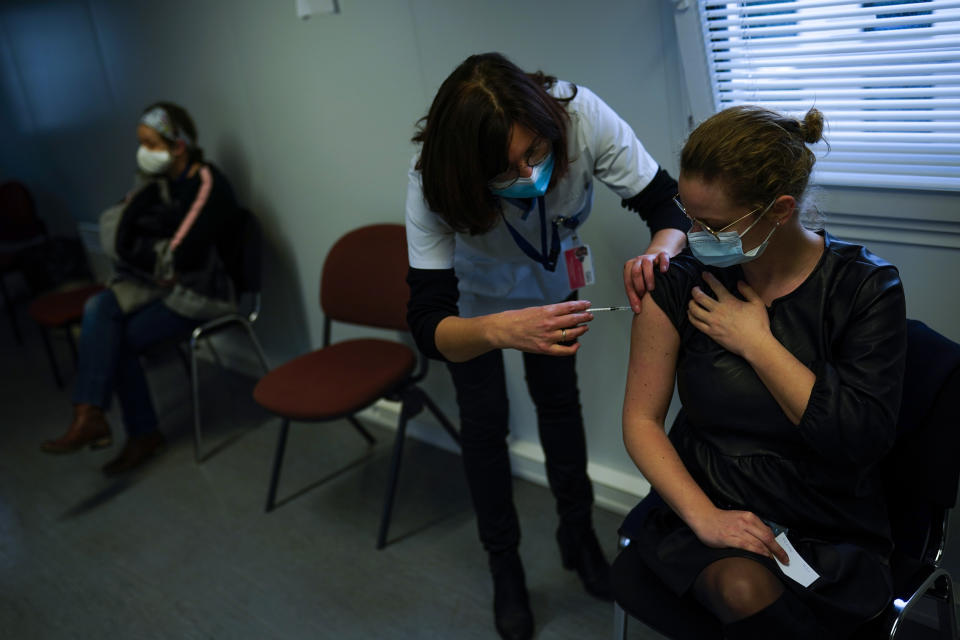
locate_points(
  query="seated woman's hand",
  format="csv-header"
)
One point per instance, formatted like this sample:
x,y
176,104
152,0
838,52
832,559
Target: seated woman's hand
x,y
736,325
722,528
549,329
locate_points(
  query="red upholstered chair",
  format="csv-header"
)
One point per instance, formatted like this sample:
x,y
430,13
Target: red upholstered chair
x,y
363,283
60,310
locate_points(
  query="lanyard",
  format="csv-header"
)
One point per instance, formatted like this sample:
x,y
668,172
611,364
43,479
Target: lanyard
x,y
548,260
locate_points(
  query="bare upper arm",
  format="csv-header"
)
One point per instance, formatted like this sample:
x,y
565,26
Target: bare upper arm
x,y
654,345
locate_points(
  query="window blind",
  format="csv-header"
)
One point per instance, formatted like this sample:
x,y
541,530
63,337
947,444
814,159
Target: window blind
x,y
885,74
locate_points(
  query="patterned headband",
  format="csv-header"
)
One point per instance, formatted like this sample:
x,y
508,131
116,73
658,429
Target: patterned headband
x,y
159,120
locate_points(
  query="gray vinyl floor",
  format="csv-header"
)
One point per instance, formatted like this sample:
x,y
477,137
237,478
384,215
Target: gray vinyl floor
x,y
182,550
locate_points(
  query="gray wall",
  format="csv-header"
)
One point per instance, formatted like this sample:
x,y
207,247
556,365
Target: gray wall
x,y
312,121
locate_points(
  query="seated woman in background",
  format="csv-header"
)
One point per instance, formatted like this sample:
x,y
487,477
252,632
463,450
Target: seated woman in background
x,y
788,347
172,238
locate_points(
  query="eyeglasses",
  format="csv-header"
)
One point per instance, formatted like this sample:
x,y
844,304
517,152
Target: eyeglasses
x,y
706,227
536,155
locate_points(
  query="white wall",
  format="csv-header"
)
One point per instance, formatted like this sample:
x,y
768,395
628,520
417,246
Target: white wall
x,y
312,121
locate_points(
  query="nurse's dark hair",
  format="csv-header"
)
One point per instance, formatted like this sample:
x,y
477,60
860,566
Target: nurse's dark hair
x,y
183,123
756,154
465,137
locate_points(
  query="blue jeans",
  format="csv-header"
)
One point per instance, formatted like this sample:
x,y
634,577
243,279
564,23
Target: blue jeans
x,y
109,356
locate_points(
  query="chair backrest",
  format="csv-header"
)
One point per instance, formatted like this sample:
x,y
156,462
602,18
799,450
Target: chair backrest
x,y
18,215
242,253
364,278
922,471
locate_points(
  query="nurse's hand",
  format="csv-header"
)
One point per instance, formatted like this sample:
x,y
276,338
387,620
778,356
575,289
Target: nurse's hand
x,y
638,275
722,528
551,329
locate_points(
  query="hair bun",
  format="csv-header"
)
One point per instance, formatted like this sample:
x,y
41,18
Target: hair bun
x,y
812,126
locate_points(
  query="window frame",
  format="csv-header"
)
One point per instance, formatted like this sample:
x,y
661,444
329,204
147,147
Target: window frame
x,y
929,217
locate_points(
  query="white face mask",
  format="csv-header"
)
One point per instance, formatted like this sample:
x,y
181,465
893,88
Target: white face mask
x,y
153,162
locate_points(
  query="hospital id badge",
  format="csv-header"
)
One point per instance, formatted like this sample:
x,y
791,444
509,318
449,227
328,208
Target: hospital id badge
x,y
579,265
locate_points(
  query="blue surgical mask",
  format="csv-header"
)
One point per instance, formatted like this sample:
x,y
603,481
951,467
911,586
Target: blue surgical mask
x,y
726,249
532,187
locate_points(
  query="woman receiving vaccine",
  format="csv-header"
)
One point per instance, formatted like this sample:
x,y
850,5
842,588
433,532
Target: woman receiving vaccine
x,y
788,349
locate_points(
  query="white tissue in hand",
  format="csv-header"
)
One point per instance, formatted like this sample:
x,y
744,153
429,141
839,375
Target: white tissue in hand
x,y
798,569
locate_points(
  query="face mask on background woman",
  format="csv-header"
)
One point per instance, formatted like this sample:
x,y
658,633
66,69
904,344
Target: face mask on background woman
x,y
153,162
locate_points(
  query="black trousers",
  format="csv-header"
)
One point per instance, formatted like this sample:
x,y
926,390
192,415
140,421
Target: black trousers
x,y
482,397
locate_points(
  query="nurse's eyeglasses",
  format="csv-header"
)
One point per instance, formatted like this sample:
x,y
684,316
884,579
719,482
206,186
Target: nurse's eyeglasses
x,y
536,155
706,227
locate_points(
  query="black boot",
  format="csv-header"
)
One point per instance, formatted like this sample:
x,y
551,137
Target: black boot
x,y
581,551
511,605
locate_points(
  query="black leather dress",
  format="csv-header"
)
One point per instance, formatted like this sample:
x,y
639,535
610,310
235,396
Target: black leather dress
x,y
846,322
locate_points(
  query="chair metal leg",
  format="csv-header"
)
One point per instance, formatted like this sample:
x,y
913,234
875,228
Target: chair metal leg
x,y
394,474
946,607
619,614
256,346
195,388
413,400
73,345
277,461
435,410
363,431
53,361
192,371
216,356
619,622
936,585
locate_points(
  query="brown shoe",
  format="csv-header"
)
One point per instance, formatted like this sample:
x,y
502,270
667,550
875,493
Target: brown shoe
x,y
89,427
137,451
